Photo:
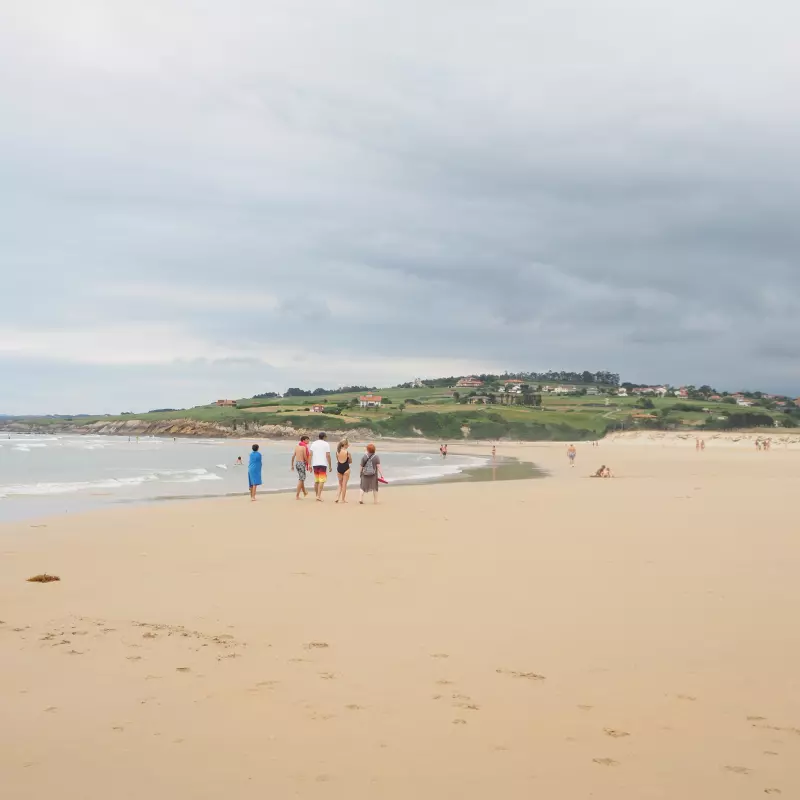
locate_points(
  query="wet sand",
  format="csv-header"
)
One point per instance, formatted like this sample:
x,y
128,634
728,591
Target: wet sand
x,y
566,638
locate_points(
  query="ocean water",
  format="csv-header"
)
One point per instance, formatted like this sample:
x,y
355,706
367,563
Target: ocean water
x,y
44,475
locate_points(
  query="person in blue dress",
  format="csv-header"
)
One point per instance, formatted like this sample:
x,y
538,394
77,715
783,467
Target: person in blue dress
x,y
254,471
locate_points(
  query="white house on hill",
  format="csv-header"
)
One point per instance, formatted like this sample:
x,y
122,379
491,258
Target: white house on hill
x,y
370,401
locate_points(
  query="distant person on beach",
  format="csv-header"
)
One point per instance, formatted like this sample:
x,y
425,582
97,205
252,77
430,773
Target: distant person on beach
x,y
254,471
301,461
697,445
571,453
343,461
370,472
238,462
603,472
443,450
702,444
320,463
494,451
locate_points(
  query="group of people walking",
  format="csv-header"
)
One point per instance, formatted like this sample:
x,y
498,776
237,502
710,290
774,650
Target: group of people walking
x,y
317,458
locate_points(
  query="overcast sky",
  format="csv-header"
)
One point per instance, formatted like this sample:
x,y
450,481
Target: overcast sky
x,y
208,199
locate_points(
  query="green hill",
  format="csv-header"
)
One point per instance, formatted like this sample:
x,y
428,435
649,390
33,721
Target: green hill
x,y
442,413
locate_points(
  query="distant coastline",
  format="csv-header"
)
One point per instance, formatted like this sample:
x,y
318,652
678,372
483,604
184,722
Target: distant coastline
x,y
484,408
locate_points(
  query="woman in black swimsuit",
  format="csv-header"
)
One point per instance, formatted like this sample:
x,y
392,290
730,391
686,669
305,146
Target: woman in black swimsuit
x,y
343,460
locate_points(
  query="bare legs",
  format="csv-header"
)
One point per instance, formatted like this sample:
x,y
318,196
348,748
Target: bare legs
x,y
374,496
301,487
253,492
343,479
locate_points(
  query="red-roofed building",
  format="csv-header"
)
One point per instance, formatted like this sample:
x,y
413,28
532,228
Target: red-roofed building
x,y
469,383
226,403
370,401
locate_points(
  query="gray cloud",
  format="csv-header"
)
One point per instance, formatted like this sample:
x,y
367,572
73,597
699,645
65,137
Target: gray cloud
x,y
234,200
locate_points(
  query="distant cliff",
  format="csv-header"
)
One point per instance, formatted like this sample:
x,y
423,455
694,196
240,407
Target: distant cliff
x,y
168,427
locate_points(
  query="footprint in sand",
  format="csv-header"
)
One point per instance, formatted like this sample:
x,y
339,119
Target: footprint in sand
x,y
436,697
149,635
686,697
133,658
585,708
316,645
615,734
50,709
756,719
327,676
439,655
183,669
771,753
606,762
772,791
459,722
354,707
738,770
444,683
531,676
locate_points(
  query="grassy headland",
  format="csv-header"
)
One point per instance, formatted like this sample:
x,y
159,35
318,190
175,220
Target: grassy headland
x,y
435,413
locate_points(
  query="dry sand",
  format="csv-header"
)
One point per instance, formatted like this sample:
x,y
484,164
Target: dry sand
x,y
560,638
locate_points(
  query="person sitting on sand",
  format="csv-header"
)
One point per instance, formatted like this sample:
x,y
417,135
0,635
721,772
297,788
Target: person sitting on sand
x,y
238,462
603,472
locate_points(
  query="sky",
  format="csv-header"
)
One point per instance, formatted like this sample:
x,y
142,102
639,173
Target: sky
x,y
204,200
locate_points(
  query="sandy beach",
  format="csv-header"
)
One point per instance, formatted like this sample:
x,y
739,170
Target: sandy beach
x,y
633,638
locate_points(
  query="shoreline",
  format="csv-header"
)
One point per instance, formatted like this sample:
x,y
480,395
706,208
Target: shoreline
x,y
83,493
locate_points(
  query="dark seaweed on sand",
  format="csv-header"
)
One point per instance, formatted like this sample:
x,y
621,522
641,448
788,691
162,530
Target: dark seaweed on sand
x,y
43,578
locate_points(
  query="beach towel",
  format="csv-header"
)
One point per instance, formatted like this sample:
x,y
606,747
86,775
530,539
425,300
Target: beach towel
x,y
254,469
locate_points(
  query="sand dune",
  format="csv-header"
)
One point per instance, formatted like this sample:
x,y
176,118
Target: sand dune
x,y
559,638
